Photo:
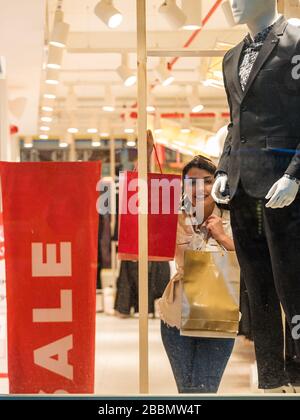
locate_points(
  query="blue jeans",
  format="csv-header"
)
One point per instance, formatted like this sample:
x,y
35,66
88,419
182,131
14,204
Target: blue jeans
x,y
197,363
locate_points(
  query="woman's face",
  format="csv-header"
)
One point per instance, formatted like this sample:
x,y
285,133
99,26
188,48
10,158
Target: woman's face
x,y
201,191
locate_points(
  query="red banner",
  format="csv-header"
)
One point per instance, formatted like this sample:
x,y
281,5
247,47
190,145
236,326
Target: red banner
x,y
50,227
164,193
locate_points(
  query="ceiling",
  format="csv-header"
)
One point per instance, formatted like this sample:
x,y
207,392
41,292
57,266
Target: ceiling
x,y
22,26
92,56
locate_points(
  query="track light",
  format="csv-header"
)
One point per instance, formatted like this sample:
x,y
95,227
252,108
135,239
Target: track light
x,y
60,30
50,92
46,119
164,74
106,12
193,13
109,103
185,128
194,102
73,130
52,77
55,57
172,13
131,143
125,73
128,77
96,143
47,108
63,144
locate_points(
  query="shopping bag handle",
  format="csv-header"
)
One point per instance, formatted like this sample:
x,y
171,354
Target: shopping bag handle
x,y
157,159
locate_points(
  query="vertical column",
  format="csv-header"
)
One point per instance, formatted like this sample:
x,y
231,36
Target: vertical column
x,y
5,149
143,196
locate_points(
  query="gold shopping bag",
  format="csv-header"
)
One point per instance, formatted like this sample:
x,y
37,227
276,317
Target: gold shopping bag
x,y
210,299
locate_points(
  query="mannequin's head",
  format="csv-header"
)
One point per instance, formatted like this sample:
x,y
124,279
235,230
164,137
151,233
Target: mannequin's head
x,y
245,11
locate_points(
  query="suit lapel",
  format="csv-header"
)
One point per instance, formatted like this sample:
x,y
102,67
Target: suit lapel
x,y
235,68
265,52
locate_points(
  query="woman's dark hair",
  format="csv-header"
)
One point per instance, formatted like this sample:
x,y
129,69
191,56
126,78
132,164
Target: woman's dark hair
x,y
199,162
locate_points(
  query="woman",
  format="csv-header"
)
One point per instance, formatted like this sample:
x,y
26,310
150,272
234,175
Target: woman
x,y
198,363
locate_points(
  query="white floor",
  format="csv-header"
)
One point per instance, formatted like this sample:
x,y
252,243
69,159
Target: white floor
x,y
117,361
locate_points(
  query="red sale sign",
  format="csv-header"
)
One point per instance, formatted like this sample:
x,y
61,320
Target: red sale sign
x,y
50,228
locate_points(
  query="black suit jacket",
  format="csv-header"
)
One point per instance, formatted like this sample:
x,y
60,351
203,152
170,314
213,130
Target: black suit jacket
x,y
263,141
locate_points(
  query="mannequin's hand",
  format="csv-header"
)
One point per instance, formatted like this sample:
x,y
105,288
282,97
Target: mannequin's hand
x,y
219,188
282,193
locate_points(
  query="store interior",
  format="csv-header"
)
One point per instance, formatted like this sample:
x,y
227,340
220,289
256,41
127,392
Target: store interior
x,y
68,92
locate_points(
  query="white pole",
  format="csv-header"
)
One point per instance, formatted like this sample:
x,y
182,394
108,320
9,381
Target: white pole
x,y
143,196
5,145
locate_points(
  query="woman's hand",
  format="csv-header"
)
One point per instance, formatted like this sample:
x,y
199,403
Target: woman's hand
x,y
215,228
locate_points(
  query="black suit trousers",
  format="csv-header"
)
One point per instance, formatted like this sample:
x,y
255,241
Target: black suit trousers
x,y
267,243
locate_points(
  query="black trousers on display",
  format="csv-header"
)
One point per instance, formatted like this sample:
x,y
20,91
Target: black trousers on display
x,y
267,244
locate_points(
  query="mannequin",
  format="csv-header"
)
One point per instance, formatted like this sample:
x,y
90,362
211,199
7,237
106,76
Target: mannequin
x,y
258,176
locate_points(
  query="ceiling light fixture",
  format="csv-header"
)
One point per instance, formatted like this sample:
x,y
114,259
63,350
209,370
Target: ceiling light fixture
x,y
60,30
96,143
193,100
172,13
106,12
73,130
109,103
44,137
44,128
125,73
131,143
46,119
163,73
193,13
54,57
92,130
52,77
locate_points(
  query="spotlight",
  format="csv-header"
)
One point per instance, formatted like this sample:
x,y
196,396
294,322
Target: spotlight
x,y
172,13
44,137
55,58
46,119
63,144
109,103
131,143
128,77
50,92
194,102
44,128
92,130
60,31
73,130
47,108
52,77
106,12
164,74
96,143
192,11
